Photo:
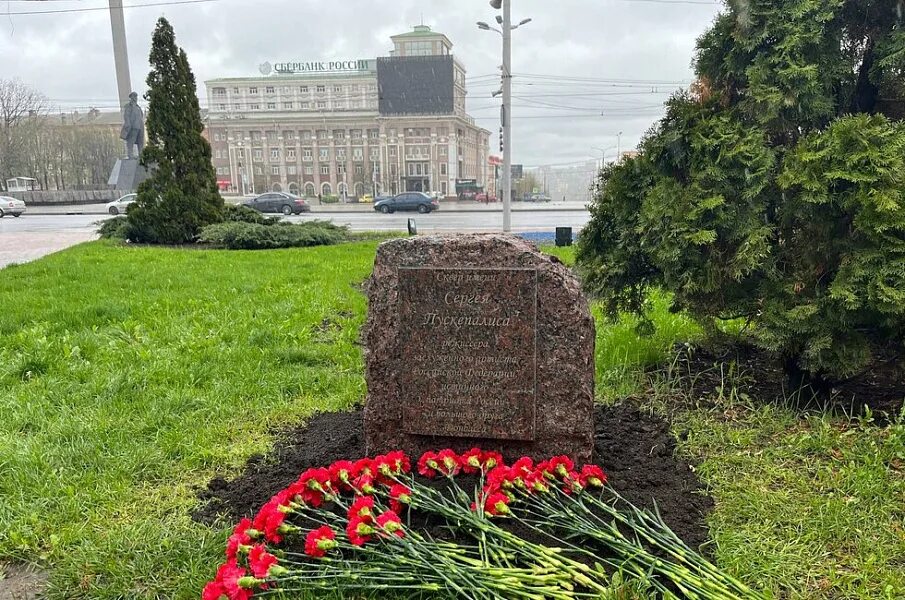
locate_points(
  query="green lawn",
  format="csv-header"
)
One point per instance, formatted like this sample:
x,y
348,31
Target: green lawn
x,y
129,376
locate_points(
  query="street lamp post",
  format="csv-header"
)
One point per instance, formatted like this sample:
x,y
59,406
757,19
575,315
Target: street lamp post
x,y
506,111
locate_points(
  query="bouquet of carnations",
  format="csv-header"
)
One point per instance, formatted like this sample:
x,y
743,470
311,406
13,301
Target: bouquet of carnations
x,y
349,528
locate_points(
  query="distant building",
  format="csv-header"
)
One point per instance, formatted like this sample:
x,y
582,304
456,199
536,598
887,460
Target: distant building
x,y
350,127
570,182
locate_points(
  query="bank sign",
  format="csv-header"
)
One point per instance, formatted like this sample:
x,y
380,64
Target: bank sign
x,y
332,66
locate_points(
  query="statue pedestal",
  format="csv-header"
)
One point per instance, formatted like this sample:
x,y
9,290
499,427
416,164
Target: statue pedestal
x,y
127,174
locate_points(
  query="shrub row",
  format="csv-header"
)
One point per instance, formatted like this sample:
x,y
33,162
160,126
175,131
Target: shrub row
x,y
239,235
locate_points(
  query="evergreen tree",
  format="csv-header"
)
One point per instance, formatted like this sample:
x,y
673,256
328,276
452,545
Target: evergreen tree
x,y
181,196
774,189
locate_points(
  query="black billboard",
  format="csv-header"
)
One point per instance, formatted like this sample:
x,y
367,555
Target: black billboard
x,y
415,85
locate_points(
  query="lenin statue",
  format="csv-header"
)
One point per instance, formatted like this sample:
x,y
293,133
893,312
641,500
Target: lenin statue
x,y
133,131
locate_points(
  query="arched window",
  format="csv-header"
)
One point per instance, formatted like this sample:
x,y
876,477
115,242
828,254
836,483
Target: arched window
x,y
294,188
359,189
310,190
277,188
342,189
326,190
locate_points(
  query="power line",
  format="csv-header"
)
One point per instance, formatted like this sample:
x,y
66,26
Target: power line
x,y
9,13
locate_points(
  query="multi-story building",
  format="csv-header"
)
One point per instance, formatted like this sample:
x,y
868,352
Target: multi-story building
x,y
348,128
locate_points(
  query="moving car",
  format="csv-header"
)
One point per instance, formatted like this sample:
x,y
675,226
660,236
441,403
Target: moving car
x,y
119,205
408,201
537,198
278,202
11,206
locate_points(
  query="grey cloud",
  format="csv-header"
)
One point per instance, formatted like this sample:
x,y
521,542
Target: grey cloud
x,y
68,58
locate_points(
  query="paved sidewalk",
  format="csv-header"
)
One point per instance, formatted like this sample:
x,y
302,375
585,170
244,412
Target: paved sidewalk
x,y
21,247
100,209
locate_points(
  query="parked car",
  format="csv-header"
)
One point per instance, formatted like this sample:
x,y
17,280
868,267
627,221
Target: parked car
x,y
537,198
484,197
408,201
278,202
11,206
119,205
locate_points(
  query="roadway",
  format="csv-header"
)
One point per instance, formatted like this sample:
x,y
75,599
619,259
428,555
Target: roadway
x,y
34,235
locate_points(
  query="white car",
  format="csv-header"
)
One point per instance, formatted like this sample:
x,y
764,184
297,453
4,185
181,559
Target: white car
x,y
11,206
119,206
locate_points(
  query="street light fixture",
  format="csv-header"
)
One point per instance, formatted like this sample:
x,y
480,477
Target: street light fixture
x,y
506,112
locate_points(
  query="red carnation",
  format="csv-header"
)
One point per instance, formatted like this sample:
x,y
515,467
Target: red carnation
x,y
427,464
270,520
362,508
399,495
522,467
391,524
501,477
471,461
496,504
214,590
593,476
229,575
359,532
261,561
342,473
536,482
241,538
572,482
560,466
448,463
364,484
314,486
392,464
363,466
320,541
491,460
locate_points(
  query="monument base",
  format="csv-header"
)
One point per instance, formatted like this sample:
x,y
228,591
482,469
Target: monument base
x,y
127,174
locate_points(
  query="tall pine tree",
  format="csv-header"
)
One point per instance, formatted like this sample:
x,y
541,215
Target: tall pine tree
x,y
773,190
180,197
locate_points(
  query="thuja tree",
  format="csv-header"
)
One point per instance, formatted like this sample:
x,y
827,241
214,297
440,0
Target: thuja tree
x,y
774,189
180,197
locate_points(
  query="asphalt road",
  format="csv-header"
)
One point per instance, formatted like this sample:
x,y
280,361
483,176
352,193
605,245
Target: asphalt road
x,y
32,236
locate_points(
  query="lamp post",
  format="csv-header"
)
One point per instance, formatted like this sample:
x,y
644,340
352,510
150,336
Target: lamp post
x,y
506,111
603,152
618,146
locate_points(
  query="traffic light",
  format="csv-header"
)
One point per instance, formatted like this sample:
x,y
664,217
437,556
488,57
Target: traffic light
x,y
501,139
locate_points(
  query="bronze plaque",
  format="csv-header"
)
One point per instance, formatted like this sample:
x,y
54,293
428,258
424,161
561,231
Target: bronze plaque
x,y
469,351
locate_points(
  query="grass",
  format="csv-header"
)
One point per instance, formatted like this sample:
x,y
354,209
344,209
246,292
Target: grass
x,y
130,376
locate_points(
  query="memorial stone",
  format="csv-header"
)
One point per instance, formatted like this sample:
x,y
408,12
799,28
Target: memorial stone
x,y
477,340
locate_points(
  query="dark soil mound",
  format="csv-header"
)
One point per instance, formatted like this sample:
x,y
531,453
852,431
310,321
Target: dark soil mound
x,y
760,375
635,449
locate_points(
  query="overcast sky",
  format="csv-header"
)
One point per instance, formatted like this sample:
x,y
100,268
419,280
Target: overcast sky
x,y
584,69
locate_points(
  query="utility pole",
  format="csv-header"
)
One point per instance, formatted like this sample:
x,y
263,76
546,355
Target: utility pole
x,y
120,53
507,115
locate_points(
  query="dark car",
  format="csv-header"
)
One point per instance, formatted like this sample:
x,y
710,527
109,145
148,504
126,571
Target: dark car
x,y
408,201
278,202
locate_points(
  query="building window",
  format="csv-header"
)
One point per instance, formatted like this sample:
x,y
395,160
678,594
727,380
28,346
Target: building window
x,y
237,106
216,137
271,136
256,136
306,136
358,154
321,134
274,170
291,169
222,106
259,170
253,90
274,154
322,105
306,154
392,151
259,155
290,154
443,188
305,105
287,105
303,89
359,170
341,169
321,89
340,154
271,106
442,168
356,134
339,134
325,170
324,155
235,90
309,170
268,89
443,150
375,154
374,134
337,89
286,89
217,154
254,107
289,135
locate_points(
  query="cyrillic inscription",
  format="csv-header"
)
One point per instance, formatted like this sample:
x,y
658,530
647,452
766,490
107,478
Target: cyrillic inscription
x,y
469,353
